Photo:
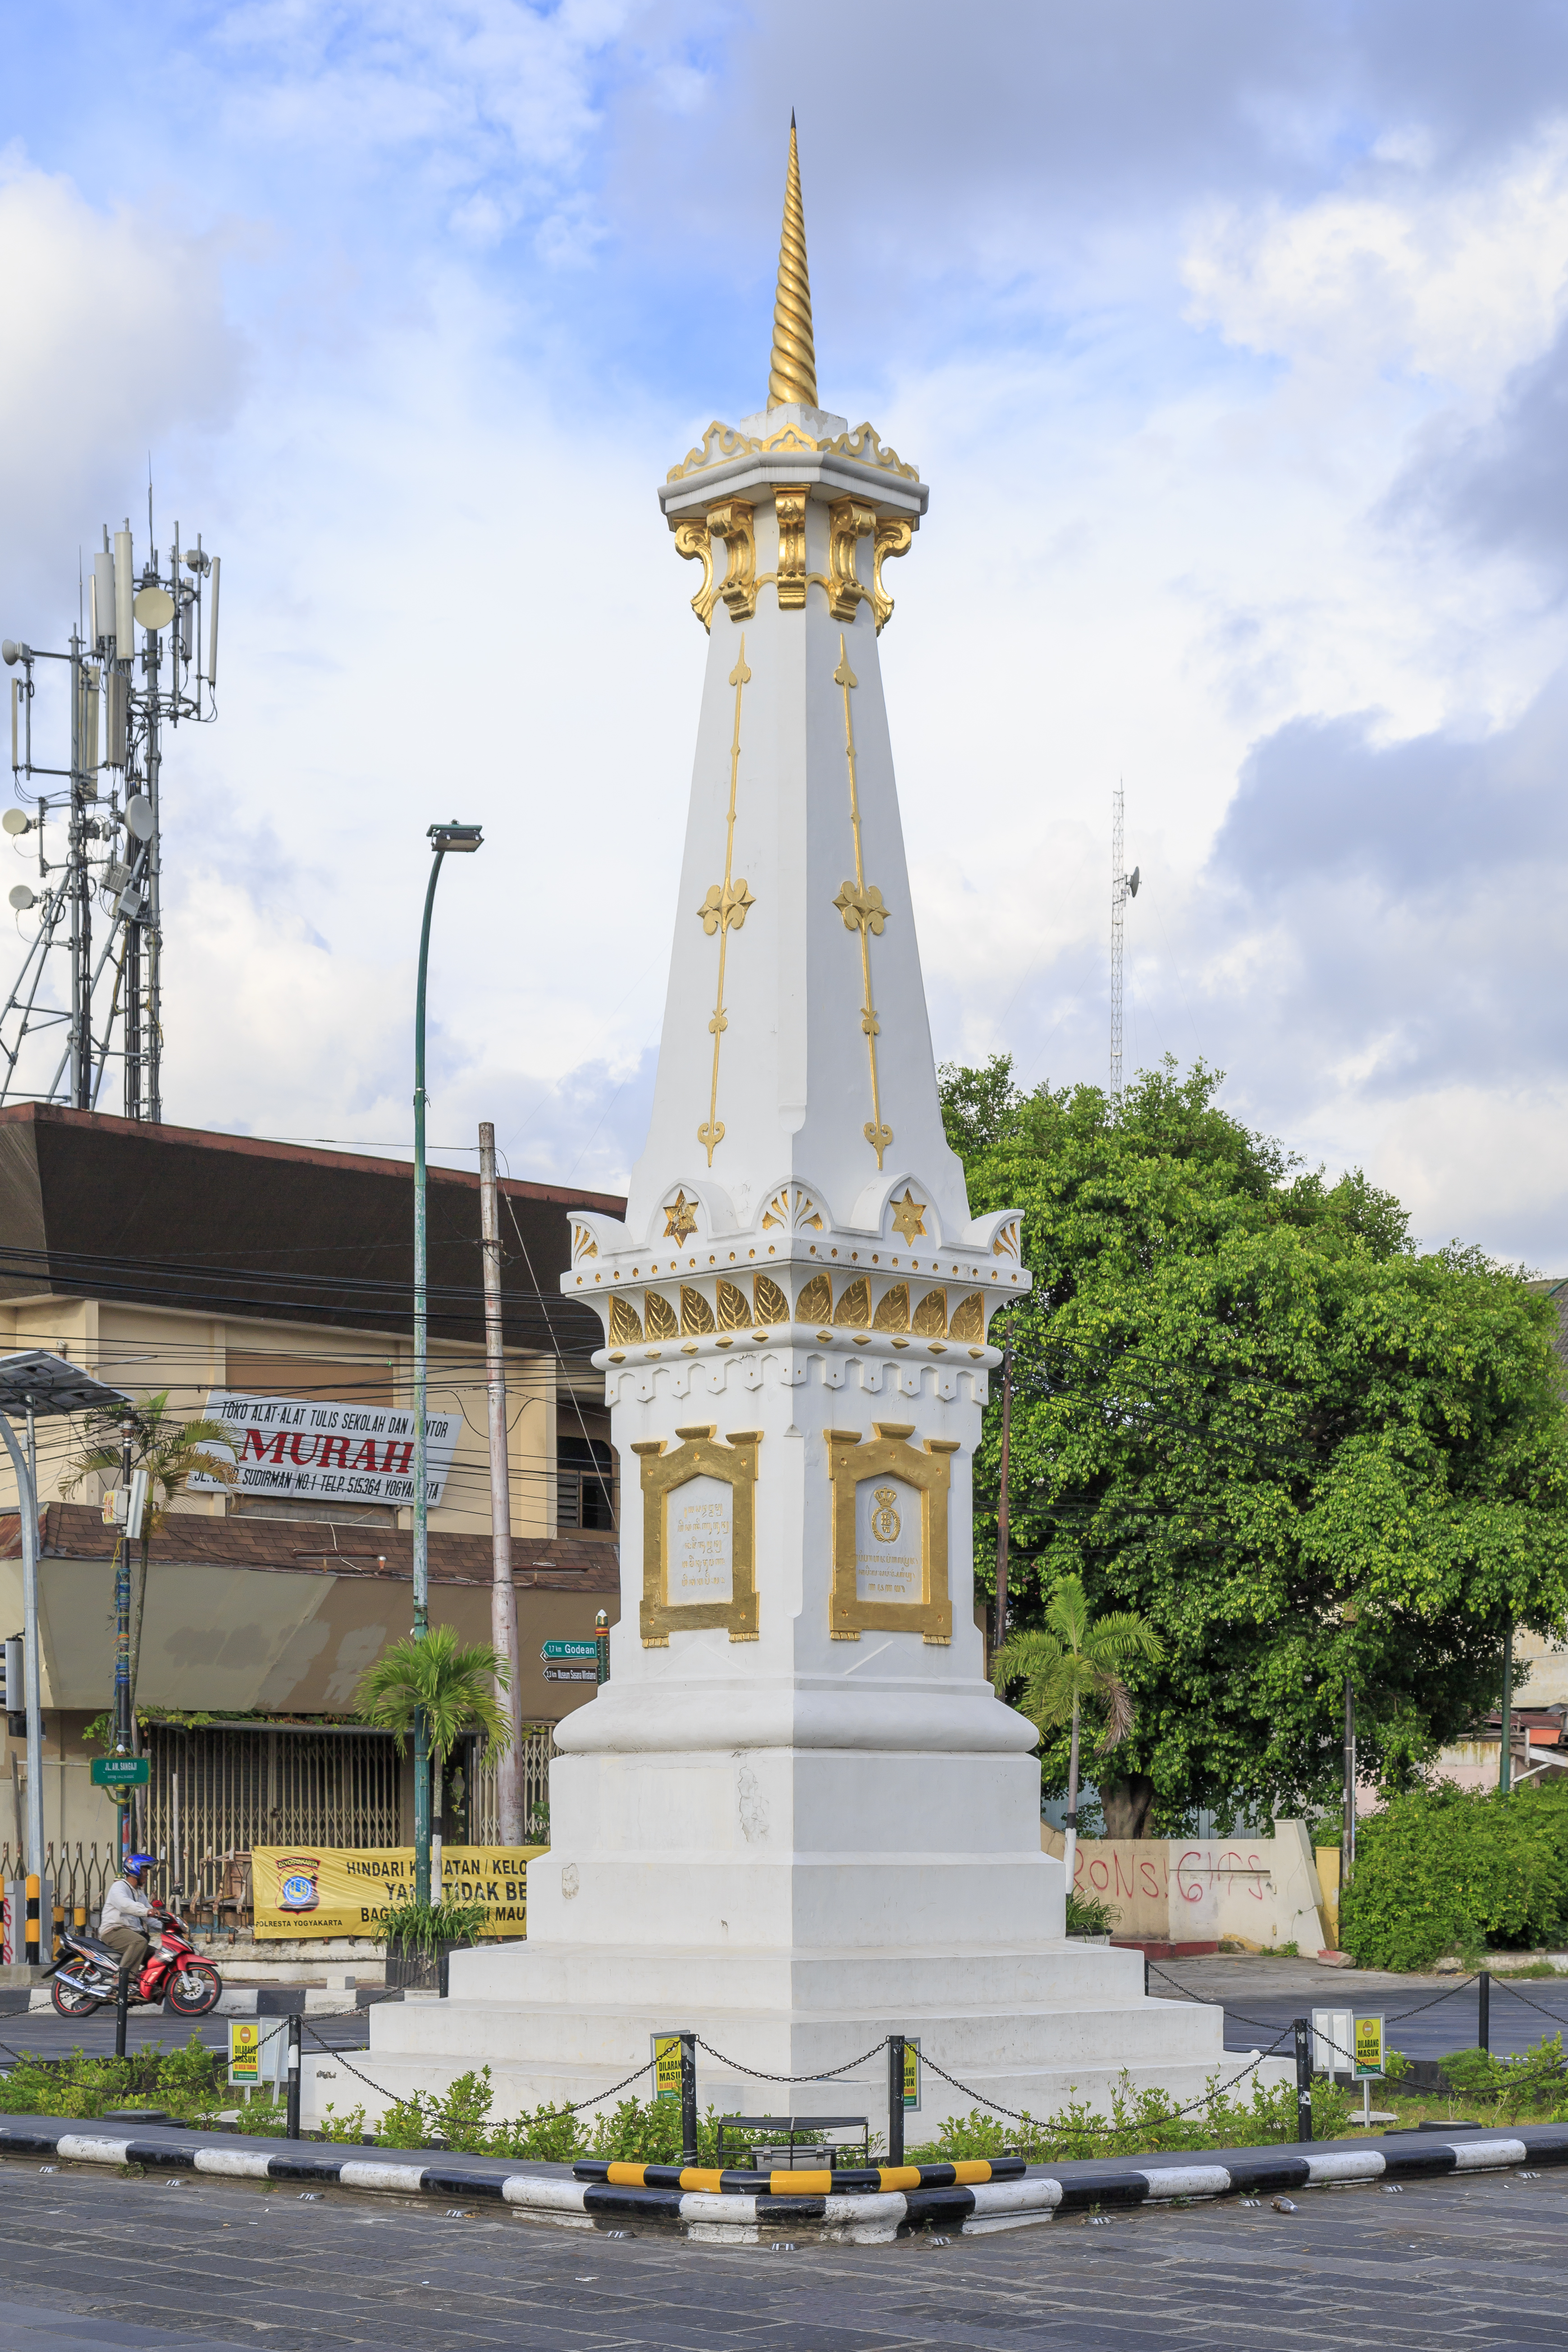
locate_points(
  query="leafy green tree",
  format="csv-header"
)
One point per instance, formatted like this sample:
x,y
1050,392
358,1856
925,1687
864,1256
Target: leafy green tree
x,y
1250,1410
1074,1660
171,1451
455,1684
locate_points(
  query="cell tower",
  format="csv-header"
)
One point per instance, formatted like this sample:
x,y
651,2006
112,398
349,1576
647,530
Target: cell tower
x,y
119,698
1123,886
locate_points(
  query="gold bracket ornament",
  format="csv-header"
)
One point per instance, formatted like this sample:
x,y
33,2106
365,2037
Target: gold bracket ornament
x,y
724,909
850,522
850,1465
694,543
790,578
730,520
686,1541
894,535
862,911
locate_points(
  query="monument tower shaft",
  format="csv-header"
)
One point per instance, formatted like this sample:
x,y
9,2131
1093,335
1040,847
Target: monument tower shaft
x,y
797,1809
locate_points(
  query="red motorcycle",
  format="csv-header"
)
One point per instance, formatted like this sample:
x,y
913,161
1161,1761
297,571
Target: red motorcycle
x,y
88,1976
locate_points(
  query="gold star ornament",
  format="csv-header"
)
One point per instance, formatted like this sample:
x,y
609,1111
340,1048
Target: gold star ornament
x,y
908,1215
679,1219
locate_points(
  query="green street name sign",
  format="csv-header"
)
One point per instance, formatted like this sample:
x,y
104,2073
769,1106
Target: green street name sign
x,y
570,1650
121,1772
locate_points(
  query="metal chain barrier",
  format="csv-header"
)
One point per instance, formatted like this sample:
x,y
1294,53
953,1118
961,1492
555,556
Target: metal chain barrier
x,y
1264,2023
1117,2131
756,2076
383,2093
1556,2015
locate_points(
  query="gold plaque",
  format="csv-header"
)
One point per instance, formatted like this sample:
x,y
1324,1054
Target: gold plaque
x,y
890,1533
698,1535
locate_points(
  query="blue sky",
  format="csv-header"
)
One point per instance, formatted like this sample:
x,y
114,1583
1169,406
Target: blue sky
x,y
1232,341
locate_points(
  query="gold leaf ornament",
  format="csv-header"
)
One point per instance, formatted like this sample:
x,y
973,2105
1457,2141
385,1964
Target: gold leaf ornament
x,y
773,1307
930,1317
854,1308
814,1304
661,1318
696,1315
968,1317
625,1324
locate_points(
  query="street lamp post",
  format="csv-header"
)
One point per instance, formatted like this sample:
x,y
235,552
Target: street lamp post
x,y
445,839
32,1383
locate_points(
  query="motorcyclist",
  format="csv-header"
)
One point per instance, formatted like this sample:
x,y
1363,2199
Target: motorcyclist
x,y
124,1908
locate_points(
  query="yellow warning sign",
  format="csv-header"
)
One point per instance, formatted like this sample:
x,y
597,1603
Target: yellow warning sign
x,y
667,2066
245,2050
1368,2048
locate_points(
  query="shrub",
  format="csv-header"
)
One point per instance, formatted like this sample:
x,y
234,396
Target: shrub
x,y
1087,1916
1447,1869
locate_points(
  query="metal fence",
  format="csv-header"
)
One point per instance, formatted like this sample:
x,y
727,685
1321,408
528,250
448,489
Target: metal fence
x,y
80,1872
217,1790
537,1747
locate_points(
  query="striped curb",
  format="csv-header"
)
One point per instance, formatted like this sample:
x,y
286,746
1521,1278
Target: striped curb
x,y
729,2214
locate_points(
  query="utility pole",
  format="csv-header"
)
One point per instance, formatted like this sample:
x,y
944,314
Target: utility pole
x,y
1505,1764
1123,886
503,1592
1002,1501
1347,1834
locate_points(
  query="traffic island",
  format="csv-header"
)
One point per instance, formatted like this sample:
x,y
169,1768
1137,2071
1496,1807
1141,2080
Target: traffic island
x,y
868,2207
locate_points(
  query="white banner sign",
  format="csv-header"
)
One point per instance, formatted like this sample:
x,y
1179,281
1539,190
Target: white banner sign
x,y
352,1453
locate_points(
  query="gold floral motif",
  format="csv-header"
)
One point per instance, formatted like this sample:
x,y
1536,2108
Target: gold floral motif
x,y
968,1318
1006,1242
894,1313
908,1215
894,534
854,1308
930,1321
582,1243
724,909
773,1307
696,1315
791,1202
679,1218
790,578
862,911
660,1318
730,520
734,1315
814,1304
722,441
850,521
625,1324
694,543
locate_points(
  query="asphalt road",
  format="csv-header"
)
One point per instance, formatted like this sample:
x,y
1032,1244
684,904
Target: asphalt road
x,y
96,2262
1260,1998
41,2034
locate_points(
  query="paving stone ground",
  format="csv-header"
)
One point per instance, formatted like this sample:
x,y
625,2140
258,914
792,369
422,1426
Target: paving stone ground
x,y
90,2263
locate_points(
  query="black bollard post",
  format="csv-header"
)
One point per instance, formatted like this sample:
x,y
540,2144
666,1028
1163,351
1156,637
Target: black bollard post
x,y
895,2098
688,2098
1145,1975
121,2002
1484,2021
293,2126
1303,2077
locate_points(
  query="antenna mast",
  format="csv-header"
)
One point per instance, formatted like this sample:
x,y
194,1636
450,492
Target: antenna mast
x,y
104,809
1123,886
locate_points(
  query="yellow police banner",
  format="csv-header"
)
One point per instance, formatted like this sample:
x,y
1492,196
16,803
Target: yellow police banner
x,y
301,1890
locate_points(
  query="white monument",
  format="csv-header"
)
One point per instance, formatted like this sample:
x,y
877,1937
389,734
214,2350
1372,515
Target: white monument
x,y
796,1818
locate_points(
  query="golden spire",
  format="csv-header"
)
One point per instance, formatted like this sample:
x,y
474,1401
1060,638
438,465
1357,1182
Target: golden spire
x,y
791,371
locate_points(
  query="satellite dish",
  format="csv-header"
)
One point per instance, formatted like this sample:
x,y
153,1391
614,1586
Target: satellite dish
x,y
155,608
22,898
14,821
1132,883
10,652
139,816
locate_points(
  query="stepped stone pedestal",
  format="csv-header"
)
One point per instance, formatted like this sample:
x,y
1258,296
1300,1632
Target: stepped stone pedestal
x,y
797,1818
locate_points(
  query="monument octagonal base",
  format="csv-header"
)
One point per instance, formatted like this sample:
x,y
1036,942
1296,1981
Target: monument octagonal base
x,y
1030,2029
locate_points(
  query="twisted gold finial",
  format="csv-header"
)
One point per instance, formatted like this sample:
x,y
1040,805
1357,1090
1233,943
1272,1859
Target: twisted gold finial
x,y
791,371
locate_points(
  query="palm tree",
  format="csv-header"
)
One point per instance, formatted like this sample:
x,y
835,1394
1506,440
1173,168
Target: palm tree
x,y
172,1452
457,1688
1075,1660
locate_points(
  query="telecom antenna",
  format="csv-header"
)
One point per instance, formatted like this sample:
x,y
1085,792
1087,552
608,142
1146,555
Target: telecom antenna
x,y
99,827
1123,886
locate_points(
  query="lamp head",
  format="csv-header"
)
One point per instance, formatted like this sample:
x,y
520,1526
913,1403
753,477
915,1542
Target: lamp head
x,y
450,839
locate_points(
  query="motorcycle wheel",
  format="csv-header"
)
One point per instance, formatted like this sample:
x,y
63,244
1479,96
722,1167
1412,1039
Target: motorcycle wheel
x,y
193,1990
69,2002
